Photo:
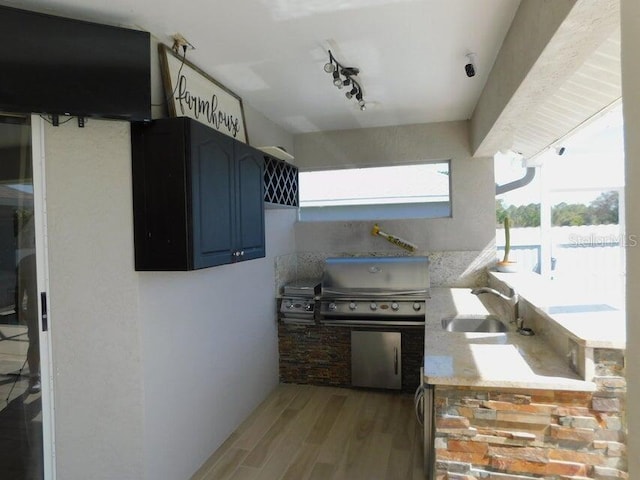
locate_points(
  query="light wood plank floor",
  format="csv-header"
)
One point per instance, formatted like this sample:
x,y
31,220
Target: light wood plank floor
x,y
321,433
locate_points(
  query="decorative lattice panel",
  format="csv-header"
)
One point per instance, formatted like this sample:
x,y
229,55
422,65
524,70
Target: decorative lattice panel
x,y
280,182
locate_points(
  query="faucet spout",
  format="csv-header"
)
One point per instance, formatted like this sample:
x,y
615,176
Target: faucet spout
x,y
513,299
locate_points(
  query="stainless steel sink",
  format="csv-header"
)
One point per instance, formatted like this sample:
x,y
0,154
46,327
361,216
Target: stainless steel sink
x,y
474,323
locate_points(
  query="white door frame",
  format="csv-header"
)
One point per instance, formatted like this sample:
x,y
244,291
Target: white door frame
x,y
46,364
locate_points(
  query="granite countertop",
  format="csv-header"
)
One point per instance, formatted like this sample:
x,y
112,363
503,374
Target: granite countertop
x,y
589,321
503,360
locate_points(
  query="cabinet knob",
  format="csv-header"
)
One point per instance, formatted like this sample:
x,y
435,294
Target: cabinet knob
x,y
242,253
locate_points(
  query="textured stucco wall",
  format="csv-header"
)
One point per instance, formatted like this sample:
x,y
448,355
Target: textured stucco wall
x,y
471,227
210,355
94,302
264,133
152,371
631,106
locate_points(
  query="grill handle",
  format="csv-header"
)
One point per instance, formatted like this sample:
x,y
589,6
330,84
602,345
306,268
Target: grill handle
x,y
418,403
354,292
395,360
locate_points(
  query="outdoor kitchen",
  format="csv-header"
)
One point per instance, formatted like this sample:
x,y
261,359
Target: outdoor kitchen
x,y
490,400
201,313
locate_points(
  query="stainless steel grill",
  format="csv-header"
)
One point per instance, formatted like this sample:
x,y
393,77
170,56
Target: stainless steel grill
x,y
375,291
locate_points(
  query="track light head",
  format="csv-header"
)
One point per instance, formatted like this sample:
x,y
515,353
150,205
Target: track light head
x,y
363,107
329,67
349,71
337,81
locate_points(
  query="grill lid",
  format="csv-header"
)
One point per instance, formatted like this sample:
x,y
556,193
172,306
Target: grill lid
x,y
376,277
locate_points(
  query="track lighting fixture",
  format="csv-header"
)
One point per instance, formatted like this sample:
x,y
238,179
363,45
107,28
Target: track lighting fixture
x,y
344,77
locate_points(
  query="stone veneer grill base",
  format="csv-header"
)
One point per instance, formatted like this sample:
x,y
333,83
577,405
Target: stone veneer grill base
x,y
321,355
529,434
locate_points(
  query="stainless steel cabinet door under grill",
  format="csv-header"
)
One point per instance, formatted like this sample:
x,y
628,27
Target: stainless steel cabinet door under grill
x,y
376,359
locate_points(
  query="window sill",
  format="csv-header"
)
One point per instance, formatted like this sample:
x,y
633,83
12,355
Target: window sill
x,y
375,212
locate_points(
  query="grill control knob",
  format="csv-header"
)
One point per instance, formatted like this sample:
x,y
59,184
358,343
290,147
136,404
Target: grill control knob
x,y
332,306
417,306
353,306
289,305
308,307
395,306
373,306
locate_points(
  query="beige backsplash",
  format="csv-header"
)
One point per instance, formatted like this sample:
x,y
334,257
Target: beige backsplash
x,y
464,269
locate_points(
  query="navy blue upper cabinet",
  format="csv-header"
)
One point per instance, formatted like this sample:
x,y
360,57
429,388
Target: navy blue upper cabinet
x,y
198,197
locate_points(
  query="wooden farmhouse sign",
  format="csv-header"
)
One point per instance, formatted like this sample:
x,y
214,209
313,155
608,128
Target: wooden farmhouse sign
x,y
190,92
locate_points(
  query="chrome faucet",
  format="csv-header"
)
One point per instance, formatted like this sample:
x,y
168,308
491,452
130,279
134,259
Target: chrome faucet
x,y
513,301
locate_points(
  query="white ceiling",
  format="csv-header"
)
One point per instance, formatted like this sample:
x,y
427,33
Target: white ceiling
x,y
411,53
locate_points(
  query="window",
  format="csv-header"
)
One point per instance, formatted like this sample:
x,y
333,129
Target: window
x,y
377,193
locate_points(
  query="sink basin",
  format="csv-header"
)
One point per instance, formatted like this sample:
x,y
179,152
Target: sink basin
x,y
474,323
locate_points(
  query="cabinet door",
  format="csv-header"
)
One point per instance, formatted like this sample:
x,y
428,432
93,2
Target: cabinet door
x,y
213,203
376,359
250,198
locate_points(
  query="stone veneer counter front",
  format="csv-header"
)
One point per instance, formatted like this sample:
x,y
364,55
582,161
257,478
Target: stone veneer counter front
x,y
528,434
